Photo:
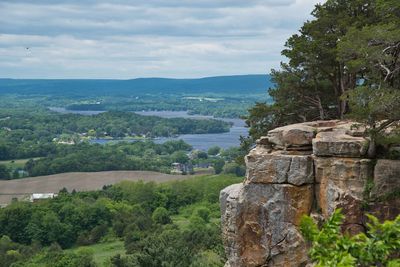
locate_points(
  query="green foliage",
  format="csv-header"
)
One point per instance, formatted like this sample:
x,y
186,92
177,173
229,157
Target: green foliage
x,y
344,61
198,154
11,252
55,257
4,172
218,165
180,157
331,248
202,213
371,105
119,156
231,154
234,168
207,259
214,150
161,216
169,224
29,135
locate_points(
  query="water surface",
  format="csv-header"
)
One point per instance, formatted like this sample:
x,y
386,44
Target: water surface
x,y
197,141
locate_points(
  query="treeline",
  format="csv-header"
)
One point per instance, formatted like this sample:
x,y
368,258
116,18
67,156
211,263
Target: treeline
x,y
224,106
141,214
344,63
114,124
25,134
85,157
140,155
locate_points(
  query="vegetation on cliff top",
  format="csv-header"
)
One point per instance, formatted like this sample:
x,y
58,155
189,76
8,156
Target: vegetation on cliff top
x,y
343,63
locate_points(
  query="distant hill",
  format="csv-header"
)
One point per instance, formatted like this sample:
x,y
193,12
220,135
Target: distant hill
x,y
238,84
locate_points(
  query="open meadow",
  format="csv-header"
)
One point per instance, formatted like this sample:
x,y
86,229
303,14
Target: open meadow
x,y
80,181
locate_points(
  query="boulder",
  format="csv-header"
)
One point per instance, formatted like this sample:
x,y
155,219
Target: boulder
x,y
339,144
229,201
278,167
260,224
292,135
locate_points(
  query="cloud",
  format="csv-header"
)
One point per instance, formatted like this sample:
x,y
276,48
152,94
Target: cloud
x,y
126,39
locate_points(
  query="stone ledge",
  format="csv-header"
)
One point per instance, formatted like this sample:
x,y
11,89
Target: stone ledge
x,y
339,145
278,167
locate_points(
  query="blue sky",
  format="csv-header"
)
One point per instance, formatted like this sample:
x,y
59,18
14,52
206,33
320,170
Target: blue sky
x,y
145,38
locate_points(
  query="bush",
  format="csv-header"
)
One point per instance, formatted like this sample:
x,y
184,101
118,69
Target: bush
x,y
161,216
203,213
331,248
218,165
234,168
214,150
4,172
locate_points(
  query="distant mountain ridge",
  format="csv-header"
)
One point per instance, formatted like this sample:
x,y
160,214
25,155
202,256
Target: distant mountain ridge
x,y
236,84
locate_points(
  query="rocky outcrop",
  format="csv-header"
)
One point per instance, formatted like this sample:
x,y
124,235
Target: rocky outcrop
x,y
260,222
340,183
309,168
278,167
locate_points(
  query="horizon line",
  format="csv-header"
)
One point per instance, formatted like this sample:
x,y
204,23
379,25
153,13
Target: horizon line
x,y
136,78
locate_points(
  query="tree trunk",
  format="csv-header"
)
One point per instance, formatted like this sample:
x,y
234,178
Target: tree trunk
x,y
320,109
342,87
372,148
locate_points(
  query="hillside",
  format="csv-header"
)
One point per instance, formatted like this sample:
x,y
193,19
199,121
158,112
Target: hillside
x,y
256,84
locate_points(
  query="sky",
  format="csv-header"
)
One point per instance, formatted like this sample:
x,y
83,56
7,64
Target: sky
x,y
123,39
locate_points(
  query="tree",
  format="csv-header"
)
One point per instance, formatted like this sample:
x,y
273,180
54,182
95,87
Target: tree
x,y
310,86
161,216
331,248
200,154
234,168
214,150
373,53
203,213
180,157
378,109
4,172
218,165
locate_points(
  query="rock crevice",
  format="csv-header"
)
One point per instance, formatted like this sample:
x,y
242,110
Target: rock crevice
x,y
308,168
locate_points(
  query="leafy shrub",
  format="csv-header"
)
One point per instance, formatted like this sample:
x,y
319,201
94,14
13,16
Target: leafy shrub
x,y
234,168
161,216
378,247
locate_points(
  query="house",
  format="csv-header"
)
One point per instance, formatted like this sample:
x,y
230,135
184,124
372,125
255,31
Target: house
x,y
41,196
203,165
182,168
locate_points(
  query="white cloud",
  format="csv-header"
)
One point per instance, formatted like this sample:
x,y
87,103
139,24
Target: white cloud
x,y
126,39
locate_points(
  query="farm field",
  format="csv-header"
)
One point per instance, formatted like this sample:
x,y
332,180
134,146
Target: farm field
x,y
80,181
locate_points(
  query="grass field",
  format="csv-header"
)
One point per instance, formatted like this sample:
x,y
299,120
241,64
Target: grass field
x,y
80,181
17,163
104,251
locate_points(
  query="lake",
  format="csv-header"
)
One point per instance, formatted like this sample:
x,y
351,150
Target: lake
x,y
197,141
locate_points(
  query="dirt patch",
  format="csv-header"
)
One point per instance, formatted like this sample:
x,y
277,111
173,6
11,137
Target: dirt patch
x,y
80,181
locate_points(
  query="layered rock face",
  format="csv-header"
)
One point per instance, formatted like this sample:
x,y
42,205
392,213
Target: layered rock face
x,y
299,169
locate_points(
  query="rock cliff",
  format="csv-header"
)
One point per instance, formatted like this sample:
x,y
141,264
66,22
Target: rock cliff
x,y
308,168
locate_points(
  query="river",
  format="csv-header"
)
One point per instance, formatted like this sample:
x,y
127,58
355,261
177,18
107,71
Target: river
x,y
197,141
